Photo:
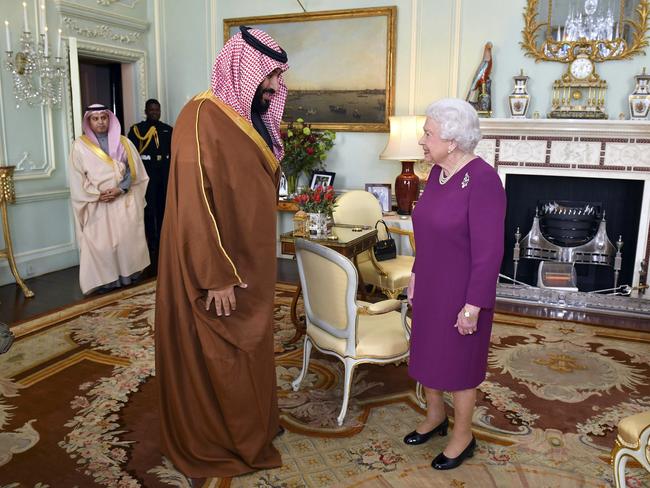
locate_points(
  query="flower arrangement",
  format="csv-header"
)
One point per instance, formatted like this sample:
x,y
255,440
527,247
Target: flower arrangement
x,y
305,150
319,200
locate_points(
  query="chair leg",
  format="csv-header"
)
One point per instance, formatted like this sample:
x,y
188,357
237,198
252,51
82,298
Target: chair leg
x,y
306,352
420,396
349,364
619,461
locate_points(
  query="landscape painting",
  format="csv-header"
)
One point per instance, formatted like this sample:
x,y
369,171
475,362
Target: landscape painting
x,y
341,65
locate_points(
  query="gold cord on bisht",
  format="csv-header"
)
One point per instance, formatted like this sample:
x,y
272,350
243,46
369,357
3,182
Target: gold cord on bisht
x,y
144,141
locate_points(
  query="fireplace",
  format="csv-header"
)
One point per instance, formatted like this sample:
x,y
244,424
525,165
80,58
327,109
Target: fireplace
x,y
606,161
618,200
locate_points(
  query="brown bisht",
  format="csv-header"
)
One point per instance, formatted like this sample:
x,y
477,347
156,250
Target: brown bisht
x,y
216,375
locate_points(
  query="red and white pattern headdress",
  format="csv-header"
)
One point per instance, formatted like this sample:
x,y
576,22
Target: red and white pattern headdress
x,y
238,71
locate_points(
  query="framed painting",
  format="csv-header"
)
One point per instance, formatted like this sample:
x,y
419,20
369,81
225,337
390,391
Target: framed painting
x,y
342,65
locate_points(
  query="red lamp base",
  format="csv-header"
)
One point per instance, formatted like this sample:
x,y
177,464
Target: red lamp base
x,y
407,186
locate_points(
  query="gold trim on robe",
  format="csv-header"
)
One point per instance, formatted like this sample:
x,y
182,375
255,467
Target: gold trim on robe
x,y
99,152
245,127
205,197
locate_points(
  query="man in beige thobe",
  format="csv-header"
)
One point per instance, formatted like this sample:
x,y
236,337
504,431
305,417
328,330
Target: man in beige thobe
x,y
107,187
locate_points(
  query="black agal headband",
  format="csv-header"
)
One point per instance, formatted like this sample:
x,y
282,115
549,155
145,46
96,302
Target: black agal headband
x,y
254,42
96,108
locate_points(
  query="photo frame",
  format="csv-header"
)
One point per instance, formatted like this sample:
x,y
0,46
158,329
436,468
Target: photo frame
x,y
283,187
381,191
342,65
321,178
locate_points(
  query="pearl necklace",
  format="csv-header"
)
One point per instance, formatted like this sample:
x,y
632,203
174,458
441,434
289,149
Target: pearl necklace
x,y
442,179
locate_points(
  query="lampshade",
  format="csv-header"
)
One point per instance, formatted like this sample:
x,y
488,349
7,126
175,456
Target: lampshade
x,y
405,132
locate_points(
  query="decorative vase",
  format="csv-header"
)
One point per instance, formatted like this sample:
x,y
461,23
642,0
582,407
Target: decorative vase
x,y
406,188
292,184
318,225
640,98
519,100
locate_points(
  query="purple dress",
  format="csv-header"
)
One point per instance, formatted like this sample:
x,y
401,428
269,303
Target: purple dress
x,y
459,235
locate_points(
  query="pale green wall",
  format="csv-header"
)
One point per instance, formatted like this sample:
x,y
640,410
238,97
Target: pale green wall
x,y
41,220
429,65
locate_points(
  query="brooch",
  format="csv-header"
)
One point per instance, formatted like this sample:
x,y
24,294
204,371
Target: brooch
x,y
465,181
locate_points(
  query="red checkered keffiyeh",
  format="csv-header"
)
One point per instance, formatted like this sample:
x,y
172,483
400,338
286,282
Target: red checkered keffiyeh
x,y
239,70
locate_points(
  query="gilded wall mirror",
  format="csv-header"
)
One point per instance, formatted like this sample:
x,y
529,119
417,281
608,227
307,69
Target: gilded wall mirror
x,y
559,30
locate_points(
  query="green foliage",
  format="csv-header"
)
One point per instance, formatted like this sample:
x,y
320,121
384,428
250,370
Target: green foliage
x,y
305,150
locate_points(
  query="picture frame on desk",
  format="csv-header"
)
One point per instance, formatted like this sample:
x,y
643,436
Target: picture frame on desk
x,y
322,178
283,187
381,191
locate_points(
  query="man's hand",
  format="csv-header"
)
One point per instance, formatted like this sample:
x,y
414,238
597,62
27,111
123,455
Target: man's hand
x,y
110,195
224,300
467,325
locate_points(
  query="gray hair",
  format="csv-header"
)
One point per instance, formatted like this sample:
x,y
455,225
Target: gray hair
x,y
458,122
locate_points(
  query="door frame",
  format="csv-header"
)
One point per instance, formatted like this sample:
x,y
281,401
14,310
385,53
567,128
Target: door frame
x,y
134,95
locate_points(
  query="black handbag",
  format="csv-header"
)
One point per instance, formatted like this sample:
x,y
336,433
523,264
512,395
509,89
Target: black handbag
x,y
384,249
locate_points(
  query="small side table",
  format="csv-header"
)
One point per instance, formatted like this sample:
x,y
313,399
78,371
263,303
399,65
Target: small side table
x,y
8,195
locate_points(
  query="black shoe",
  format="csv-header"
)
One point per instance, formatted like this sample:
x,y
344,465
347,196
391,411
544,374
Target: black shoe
x,y
443,462
415,438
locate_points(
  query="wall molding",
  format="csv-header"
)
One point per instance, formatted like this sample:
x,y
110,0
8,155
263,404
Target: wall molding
x,y
43,196
99,16
40,261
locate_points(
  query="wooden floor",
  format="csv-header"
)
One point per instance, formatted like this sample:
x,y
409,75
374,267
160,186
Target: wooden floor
x,y
60,289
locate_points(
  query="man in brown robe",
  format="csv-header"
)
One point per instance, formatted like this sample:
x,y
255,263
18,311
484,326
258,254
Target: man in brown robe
x,y
217,268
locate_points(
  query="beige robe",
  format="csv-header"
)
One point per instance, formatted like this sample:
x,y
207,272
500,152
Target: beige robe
x,y
110,234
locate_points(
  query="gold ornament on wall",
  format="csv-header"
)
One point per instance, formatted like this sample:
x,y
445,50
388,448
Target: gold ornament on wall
x,y
615,37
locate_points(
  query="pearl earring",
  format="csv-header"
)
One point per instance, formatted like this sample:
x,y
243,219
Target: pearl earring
x,y
449,150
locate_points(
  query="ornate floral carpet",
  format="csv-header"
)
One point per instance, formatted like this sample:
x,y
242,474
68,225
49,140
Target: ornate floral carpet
x,y
78,407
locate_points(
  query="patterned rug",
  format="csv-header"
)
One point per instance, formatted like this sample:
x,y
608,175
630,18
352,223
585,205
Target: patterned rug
x,y
78,407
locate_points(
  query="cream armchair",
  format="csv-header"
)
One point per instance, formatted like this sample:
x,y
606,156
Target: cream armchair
x,y
391,276
632,441
337,324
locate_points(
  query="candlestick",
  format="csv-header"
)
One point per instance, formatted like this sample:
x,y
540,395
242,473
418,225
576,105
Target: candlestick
x,y
58,45
42,17
45,44
25,22
7,36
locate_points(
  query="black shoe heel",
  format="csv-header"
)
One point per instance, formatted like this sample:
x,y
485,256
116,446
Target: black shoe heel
x,y
443,462
415,438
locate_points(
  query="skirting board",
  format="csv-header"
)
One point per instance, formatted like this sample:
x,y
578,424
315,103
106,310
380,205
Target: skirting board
x,y
41,261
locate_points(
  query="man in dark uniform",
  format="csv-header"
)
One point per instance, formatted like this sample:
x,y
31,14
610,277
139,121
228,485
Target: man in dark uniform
x,y
153,140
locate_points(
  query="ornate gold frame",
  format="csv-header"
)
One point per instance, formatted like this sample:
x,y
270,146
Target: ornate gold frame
x,y
389,12
532,26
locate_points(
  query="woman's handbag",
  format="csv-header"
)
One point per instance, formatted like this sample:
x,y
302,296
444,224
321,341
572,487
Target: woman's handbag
x,y
384,249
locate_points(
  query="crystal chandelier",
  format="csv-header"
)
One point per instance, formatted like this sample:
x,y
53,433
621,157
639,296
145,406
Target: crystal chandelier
x,y
38,77
590,23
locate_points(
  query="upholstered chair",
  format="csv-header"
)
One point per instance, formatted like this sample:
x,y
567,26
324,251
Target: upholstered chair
x,y
353,331
632,441
392,276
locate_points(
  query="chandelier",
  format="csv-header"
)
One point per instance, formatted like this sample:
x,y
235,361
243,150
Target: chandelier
x,y
589,22
38,77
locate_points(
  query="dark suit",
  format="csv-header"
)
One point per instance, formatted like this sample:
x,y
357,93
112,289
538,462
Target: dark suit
x,y
154,147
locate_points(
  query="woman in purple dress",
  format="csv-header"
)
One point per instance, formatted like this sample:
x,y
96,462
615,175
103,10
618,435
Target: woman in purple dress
x,y
458,225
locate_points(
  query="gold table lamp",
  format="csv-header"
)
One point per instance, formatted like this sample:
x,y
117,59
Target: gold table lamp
x,y
8,195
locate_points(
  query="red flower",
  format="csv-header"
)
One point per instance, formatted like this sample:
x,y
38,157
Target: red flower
x,y
317,197
310,150
329,196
